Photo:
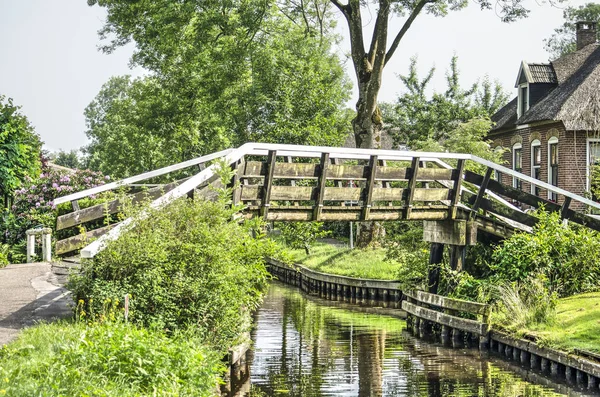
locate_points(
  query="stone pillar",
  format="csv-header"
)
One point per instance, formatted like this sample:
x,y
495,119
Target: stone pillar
x,y
30,245
47,244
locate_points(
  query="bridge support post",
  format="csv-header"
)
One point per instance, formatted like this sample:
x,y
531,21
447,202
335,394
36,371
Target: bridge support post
x,y
436,255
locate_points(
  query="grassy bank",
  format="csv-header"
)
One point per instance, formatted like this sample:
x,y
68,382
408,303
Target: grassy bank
x,y
343,261
77,359
577,324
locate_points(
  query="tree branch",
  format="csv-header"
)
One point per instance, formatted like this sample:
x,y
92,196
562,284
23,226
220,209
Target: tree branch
x,y
415,12
340,6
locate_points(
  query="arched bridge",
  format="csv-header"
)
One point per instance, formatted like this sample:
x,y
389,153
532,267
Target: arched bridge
x,y
458,202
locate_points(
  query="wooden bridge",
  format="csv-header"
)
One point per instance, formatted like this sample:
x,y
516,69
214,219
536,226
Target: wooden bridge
x,y
308,183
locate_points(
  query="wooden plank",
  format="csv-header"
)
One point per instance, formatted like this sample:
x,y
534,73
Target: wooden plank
x,y
389,194
451,232
76,242
435,174
320,191
368,192
112,207
347,172
258,169
482,189
444,302
392,174
455,195
412,183
236,185
500,209
343,194
431,194
266,196
462,324
338,183
532,200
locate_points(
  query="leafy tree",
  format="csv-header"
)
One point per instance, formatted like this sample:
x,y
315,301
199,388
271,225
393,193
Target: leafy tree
x,y
222,74
302,234
68,159
563,40
20,148
370,63
416,117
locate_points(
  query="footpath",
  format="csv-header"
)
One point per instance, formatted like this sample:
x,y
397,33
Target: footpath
x,y
30,293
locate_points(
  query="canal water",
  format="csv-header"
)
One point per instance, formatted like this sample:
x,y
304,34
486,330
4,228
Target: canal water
x,y
308,347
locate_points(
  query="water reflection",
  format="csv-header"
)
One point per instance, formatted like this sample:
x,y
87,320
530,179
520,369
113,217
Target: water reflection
x,y
307,347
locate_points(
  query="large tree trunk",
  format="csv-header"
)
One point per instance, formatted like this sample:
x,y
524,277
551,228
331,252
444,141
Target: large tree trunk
x,y
367,127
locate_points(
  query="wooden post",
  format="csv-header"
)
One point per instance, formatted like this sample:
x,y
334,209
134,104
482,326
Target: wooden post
x,y
321,186
288,159
481,193
236,183
75,205
412,183
436,255
266,198
460,168
368,199
565,207
457,256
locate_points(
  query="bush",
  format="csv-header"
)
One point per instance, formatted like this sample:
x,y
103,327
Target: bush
x,y
189,264
568,255
302,234
112,359
34,205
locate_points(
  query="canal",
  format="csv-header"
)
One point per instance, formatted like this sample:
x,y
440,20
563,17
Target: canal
x,y
309,347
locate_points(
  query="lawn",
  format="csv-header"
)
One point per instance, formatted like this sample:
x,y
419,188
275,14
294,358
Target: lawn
x,y
577,325
343,261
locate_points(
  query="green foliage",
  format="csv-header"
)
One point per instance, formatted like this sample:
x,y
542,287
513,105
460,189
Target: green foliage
x,y
189,264
20,148
568,255
4,252
222,75
302,234
110,359
404,245
563,40
33,205
415,118
70,159
525,304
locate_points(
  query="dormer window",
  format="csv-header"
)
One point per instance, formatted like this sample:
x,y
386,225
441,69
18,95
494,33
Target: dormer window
x,y
523,98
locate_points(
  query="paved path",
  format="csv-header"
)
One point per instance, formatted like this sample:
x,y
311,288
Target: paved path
x,y
29,293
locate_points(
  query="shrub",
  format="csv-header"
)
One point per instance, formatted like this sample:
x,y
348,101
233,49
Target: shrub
x,y
302,234
33,205
189,264
111,359
569,256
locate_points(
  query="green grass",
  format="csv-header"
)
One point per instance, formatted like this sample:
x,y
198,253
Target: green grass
x,y
577,324
327,258
75,359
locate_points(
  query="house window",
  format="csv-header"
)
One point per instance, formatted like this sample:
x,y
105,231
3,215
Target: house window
x,y
536,163
553,166
594,167
517,163
497,174
523,99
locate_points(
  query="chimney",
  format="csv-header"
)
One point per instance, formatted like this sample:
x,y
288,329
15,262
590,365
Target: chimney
x,y
586,33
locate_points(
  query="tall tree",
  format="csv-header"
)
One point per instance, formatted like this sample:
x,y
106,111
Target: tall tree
x,y
418,117
563,40
20,149
370,61
69,159
223,73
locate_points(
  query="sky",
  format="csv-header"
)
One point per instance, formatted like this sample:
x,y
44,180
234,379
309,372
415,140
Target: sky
x,y
51,66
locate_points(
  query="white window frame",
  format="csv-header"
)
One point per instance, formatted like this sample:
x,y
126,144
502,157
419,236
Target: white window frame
x,y
534,143
520,99
515,147
552,141
587,161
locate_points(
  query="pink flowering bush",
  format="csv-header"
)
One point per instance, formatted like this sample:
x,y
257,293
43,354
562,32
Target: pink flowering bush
x,y
33,204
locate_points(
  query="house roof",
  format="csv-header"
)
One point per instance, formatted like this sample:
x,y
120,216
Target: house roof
x,y
575,100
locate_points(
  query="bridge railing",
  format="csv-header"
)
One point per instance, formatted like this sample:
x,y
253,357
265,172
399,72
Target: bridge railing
x,y
301,183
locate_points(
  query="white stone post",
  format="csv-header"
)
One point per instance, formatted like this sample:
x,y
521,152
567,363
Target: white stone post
x,y
30,245
47,244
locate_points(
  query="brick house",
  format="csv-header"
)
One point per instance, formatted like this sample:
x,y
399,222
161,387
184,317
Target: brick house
x,y
551,130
